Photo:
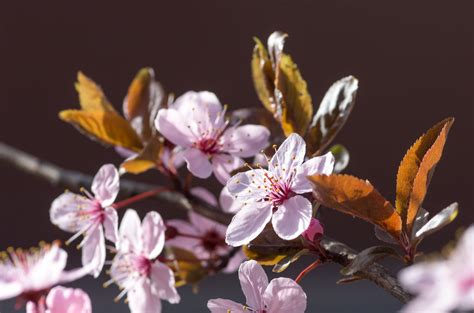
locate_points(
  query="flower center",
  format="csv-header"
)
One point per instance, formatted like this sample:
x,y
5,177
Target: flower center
x,y
142,265
467,284
209,145
211,240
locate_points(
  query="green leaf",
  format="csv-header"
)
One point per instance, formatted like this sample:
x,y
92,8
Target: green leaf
x,y
333,112
367,257
443,218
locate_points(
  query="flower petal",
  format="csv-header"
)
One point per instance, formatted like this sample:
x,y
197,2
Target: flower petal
x,y
93,250
153,232
106,184
285,295
174,127
228,203
253,281
10,290
245,141
318,165
248,185
198,163
248,223
203,224
111,224
204,194
130,232
162,278
288,157
47,271
201,107
292,217
68,300
180,241
142,299
66,210
234,262
225,306
223,165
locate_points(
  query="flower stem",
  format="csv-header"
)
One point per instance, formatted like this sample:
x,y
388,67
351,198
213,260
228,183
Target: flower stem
x,y
308,269
139,197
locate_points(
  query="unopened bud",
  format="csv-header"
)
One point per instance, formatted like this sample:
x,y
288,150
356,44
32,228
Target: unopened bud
x,y
314,231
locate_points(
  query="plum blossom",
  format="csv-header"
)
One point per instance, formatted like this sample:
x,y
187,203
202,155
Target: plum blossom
x,y
443,286
136,268
30,274
92,216
275,194
205,238
196,122
314,231
281,295
64,300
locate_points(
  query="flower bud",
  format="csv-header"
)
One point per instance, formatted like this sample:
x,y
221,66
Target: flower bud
x,y
314,231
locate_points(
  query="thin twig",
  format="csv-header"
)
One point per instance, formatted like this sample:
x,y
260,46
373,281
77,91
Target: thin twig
x,y
336,251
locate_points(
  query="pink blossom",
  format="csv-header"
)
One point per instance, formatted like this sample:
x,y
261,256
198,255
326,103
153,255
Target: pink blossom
x,y
29,274
314,230
228,203
68,300
196,121
275,194
443,286
136,268
205,238
281,295
91,216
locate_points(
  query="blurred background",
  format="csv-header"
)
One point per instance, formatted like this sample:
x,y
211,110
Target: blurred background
x,y
414,62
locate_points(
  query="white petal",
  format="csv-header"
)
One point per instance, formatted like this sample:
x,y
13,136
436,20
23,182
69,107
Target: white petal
x,y
253,281
93,250
106,184
130,232
248,223
10,290
288,157
141,299
225,306
47,271
248,185
292,217
245,141
318,165
283,295
68,300
204,194
163,281
111,224
174,127
65,211
153,232
197,162
223,165
228,203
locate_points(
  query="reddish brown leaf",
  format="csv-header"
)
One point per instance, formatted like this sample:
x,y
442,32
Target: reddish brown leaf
x,y
356,197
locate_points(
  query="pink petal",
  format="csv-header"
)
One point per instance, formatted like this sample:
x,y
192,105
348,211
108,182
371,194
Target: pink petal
x,y
130,232
124,152
202,107
110,224
204,194
198,163
223,164
142,299
10,290
245,186
314,230
234,262
289,156
283,295
35,307
292,217
162,278
422,276
248,223
174,127
253,281
47,270
65,211
245,141
183,242
153,232
225,306
68,300
93,250
106,184
318,165
227,202
203,224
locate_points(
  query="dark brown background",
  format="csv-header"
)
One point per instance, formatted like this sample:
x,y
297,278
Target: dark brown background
x,y
413,59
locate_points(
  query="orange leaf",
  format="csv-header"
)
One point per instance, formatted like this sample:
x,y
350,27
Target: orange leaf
x,y
106,127
147,159
91,96
416,169
263,76
356,197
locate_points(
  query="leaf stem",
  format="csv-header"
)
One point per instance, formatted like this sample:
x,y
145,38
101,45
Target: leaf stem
x,y
139,197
